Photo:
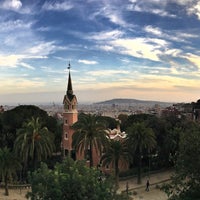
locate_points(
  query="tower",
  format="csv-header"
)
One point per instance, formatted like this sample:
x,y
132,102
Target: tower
x,y
70,116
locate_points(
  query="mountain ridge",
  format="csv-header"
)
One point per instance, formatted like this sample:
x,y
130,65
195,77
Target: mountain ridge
x,y
132,101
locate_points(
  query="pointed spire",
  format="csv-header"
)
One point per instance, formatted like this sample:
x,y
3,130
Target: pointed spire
x,y
69,86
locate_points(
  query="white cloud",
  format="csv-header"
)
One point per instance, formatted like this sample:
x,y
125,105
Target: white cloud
x,y
195,9
14,24
10,60
106,47
88,62
112,12
173,52
12,85
195,59
58,6
106,35
11,4
149,48
44,48
154,6
107,72
153,30
27,66
14,60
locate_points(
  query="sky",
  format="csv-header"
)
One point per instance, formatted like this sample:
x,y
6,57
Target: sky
x,y
141,49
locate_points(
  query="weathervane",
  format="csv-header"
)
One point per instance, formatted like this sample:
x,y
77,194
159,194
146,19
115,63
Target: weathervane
x,y
69,66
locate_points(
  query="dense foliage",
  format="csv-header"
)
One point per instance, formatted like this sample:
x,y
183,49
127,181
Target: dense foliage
x,y
12,120
116,152
9,164
70,180
152,142
140,139
89,134
33,133
185,183
34,142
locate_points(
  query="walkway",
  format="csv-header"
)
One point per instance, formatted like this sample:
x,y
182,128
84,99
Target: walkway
x,y
138,191
153,194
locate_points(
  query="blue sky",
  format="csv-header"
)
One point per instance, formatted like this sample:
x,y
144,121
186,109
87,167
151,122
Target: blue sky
x,y
142,49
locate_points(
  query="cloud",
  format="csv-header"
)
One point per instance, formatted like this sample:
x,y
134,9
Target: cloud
x,y
14,84
195,9
14,25
10,60
195,59
147,48
156,7
14,60
153,30
110,11
88,62
107,72
27,66
57,6
106,47
105,35
44,48
11,4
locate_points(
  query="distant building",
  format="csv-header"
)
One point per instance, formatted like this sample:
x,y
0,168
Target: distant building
x,y
196,111
1,109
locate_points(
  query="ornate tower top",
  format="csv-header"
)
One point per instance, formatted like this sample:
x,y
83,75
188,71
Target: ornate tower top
x,y
69,86
69,100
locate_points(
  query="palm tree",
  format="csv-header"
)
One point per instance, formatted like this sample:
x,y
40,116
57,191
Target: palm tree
x,y
115,152
8,167
140,138
34,142
90,133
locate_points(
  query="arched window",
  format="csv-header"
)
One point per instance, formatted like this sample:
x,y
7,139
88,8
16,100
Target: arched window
x,y
66,135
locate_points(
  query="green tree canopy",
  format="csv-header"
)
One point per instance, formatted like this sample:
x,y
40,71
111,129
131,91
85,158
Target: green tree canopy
x,y
33,142
115,152
12,120
70,180
89,134
139,139
185,183
9,164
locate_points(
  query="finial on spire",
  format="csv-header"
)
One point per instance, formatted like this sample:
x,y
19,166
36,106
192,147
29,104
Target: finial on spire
x,y
69,66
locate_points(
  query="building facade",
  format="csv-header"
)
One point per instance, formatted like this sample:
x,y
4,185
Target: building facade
x,y
70,116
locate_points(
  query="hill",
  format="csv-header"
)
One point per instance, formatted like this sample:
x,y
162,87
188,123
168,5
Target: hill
x,y
119,101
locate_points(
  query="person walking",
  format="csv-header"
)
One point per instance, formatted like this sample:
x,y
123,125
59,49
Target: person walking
x,y
147,185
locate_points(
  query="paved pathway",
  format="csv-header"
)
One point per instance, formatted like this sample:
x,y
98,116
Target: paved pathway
x,y
154,193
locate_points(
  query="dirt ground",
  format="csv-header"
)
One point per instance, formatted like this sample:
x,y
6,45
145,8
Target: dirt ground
x,y
153,194
14,194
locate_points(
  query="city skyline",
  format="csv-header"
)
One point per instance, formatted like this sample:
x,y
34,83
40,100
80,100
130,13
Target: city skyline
x,y
137,49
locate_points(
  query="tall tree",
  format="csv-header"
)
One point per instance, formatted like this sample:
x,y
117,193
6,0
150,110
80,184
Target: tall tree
x,y
8,167
139,139
71,180
90,133
34,142
185,183
115,153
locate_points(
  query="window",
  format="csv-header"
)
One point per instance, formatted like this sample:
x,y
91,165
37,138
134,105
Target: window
x,y
73,154
66,135
66,152
87,154
107,166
